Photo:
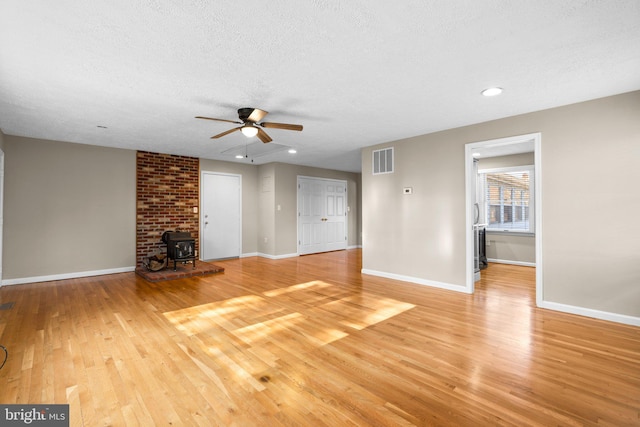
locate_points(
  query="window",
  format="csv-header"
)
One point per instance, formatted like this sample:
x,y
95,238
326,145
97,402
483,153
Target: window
x,y
383,161
508,204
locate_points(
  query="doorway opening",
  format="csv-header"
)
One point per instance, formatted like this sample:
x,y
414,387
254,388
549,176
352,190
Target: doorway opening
x,y
494,148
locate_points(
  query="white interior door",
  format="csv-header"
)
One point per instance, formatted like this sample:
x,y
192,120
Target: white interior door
x,y
310,215
335,201
221,216
322,215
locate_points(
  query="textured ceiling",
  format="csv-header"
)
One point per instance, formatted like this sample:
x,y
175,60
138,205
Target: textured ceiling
x,y
354,73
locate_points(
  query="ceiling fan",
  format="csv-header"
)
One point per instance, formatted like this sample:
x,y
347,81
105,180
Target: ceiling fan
x,y
251,125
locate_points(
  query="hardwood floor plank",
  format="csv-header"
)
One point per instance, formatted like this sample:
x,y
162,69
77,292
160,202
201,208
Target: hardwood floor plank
x,y
311,341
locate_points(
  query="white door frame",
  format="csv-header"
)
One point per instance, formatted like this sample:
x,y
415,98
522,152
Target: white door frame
x,y
202,219
470,195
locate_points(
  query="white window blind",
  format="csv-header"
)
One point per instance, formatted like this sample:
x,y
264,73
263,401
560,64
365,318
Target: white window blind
x,y
383,161
509,199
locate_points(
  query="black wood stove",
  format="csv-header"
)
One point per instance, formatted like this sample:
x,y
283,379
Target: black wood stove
x,y
181,247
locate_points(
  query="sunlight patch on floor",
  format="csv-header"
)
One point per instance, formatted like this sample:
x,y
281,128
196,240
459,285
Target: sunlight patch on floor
x,y
286,315
199,318
361,311
294,288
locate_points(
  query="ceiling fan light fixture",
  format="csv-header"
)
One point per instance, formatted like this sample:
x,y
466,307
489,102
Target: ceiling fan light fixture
x,y
249,130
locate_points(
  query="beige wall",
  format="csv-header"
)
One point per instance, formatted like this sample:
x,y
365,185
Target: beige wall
x,y
68,208
589,161
502,246
511,249
522,159
267,210
250,210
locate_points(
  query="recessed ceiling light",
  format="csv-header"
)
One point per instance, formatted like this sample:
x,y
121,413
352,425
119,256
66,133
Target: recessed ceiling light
x,y
492,91
239,156
292,151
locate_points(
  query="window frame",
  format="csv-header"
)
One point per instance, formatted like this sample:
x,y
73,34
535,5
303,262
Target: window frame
x,y
530,169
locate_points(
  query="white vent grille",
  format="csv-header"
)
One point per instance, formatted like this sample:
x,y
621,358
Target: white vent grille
x,y
383,161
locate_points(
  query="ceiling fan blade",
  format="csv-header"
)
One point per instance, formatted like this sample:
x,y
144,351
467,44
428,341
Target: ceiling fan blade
x,y
263,136
219,120
257,115
225,133
280,126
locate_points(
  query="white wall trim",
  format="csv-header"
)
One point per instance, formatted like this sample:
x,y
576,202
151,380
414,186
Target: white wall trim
x,y
508,261
248,255
277,256
36,279
416,280
589,312
263,255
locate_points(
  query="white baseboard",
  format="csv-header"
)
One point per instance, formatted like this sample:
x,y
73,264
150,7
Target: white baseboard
x,y
248,255
260,254
589,312
263,255
35,279
416,280
277,256
507,261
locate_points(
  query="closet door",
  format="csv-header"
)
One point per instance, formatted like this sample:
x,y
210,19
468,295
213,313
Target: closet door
x,y
322,215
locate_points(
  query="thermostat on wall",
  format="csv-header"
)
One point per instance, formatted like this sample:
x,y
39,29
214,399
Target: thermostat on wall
x,y
407,190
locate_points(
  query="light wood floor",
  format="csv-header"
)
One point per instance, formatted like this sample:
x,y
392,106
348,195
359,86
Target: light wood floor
x,y
309,341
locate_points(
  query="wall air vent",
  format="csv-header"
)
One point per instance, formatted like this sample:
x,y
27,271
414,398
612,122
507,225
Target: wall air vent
x,y
383,161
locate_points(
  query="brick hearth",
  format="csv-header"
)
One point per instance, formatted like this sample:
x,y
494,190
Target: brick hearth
x,y
183,270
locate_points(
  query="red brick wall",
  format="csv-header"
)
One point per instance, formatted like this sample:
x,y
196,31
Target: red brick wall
x,y
168,187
